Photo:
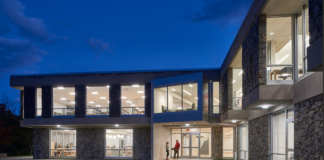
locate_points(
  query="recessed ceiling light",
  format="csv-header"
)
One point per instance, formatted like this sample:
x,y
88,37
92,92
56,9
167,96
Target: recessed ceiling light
x,y
72,102
234,121
98,105
123,97
187,92
179,108
72,93
63,99
190,85
140,91
132,104
271,33
66,130
135,85
110,131
173,89
196,97
94,92
116,125
58,126
233,81
128,101
143,96
187,124
108,101
265,106
60,88
91,102
240,73
107,86
217,100
87,87
102,97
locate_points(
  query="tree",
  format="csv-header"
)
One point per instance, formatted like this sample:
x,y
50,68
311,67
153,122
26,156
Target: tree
x,y
9,103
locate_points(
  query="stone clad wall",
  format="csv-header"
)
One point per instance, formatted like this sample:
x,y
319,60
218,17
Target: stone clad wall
x,y
41,138
142,144
259,138
115,100
91,143
254,56
308,132
30,102
80,101
217,142
147,99
47,102
223,92
315,19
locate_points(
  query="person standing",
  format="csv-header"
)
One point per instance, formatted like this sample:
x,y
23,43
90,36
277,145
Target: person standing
x,y
167,150
176,150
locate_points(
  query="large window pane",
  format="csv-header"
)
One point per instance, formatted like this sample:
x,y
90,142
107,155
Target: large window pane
x,y
133,100
63,101
205,144
300,48
119,143
215,97
175,137
190,97
175,98
160,100
39,102
237,88
279,48
227,142
279,133
244,137
63,143
98,100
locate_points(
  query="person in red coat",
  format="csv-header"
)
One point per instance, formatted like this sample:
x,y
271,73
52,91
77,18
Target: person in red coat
x,y
176,150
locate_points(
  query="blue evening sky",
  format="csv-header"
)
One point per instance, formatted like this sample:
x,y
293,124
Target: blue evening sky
x,y
55,36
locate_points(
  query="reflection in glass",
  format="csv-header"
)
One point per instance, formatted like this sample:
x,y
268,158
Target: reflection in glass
x,y
119,143
227,142
63,101
175,98
205,144
63,143
237,88
39,102
190,97
98,100
279,134
133,100
215,97
160,100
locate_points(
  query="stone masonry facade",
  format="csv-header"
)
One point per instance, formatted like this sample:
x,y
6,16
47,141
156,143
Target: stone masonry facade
x,y
147,99
91,143
142,144
81,101
308,129
315,19
217,142
223,90
41,139
47,102
115,100
259,138
30,102
254,56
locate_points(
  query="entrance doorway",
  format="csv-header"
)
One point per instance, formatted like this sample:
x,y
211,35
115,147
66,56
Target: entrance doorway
x,y
190,145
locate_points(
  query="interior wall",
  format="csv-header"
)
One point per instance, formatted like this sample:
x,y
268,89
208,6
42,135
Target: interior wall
x,y
161,135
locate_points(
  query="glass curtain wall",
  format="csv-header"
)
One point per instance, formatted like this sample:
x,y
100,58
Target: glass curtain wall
x,y
133,100
63,143
119,143
63,101
215,97
97,101
302,39
244,142
279,49
228,142
237,88
39,102
176,98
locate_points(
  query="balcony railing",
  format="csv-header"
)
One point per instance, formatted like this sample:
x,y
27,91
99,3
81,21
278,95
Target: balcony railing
x,y
63,111
280,72
39,112
97,111
119,153
132,111
63,152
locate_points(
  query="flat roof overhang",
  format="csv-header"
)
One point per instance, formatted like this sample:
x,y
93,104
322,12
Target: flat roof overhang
x,y
234,117
193,124
283,7
267,95
93,122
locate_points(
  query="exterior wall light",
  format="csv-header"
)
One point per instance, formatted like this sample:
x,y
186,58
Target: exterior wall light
x,y
187,124
58,126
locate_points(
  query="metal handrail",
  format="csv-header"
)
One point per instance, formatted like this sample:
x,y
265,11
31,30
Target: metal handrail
x,y
61,152
64,113
134,110
121,150
97,111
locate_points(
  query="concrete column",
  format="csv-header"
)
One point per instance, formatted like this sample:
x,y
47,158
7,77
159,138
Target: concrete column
x,y
47,101
80,101
142,143
115,100
91,143
41,140
30,102
147,99
217,142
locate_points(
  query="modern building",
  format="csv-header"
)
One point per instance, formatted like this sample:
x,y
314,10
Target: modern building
x,y
265,102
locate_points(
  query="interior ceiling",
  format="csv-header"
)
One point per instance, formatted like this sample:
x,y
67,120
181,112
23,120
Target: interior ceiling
x,y
131,94
237,62
283,7
279,30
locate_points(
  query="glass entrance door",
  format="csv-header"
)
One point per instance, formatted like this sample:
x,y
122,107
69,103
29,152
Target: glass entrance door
x,y
190,145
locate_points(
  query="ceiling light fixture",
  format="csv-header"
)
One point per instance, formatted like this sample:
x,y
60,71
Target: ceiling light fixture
x,y
173,89
108,101
234,121
72,102
143,96
91,102
128,101
233,81
283,58
108,86
190,85
179,108
240,73
135,85
271,33
196,97
116,125
187,124
123,97
132,104
98,105
265,106
63,99
110,136
217,100
58,126
72,93
94,92
66,130
102,97
140,91
187,92
60,88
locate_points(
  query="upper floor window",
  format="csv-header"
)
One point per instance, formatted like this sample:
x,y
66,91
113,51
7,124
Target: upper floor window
x,y
39,102
98,100
302,39
176,98
133,99
237,88
215,97
279,48
63,101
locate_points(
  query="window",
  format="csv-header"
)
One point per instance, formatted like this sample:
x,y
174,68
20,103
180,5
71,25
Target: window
x,y
302,39
98,101
133,100
228,142
39,102
63,143
244,138
279,49
237,88
63,101
176,98
119,143
215,97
